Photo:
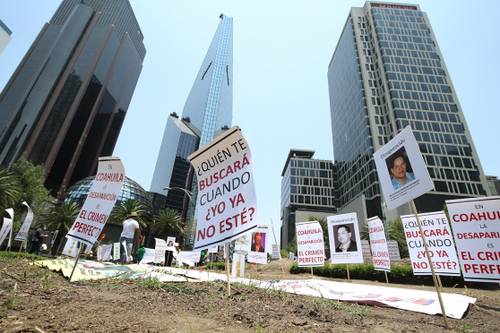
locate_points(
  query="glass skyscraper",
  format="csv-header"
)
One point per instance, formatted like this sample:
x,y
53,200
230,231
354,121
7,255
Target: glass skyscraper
x,y
65,104
387,72
4,36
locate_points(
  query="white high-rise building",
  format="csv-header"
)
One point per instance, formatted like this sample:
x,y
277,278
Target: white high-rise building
x,y
4,36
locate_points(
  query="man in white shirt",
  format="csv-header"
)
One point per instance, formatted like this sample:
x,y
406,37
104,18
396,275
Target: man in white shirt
x,y
130,231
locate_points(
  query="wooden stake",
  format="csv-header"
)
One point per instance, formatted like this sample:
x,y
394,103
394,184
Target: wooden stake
x,y
228,276
348,274
312,273
441,304
386,277
76,261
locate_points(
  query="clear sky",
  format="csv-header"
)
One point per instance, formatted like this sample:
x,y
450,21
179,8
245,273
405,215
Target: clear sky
x,y
281,53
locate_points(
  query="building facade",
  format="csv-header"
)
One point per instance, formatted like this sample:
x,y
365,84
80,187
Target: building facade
x,y
493,184
386,73
65,104
307,189
5,34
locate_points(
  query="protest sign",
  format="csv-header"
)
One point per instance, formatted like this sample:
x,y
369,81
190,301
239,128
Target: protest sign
x,y
310,244
104,252
238,265
380,253
213,249
439,240
476,228
258,252
276,254
7,227
72,247
149,256
189,258
160,248
401,170
101,199
343,232
22,235
170,244
116,251
225,205
393,248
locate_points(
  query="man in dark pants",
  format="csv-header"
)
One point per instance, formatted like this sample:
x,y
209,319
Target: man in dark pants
x,y
37,239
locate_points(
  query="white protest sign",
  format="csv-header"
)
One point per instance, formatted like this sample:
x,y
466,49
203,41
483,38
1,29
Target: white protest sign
x,y
149,256
22,235
225,205
104,252
401,170
345,242
439,242
189,258
378,243
170,244
238,265
116,251
100,201
310,244
476,227
7,227
213,249
276,254
72,247
258,254
160,248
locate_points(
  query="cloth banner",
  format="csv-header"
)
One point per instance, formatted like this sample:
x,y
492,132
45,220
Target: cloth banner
x,y
160,248
380,252
476,227
104,252
439,242
310,244
100,200
7,227
22,235
345,240
257,253
225,205
401,170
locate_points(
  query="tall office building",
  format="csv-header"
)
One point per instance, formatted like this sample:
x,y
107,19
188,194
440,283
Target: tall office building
x,y
307,189
4,36
209,108
65,103
386,73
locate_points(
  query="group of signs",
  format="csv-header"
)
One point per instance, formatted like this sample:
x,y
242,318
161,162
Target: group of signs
x,y
6,230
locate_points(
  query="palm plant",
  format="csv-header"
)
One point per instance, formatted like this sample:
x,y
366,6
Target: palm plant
x,y
167,223
61,218
9,189
123,210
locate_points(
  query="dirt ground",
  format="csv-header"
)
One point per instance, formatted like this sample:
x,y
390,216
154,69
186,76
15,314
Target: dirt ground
x,y
33,299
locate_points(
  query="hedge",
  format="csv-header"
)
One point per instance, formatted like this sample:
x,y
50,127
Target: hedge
x,y
400,273
216,265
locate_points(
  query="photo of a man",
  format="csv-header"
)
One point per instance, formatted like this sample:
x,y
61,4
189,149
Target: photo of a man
x,y
400,169
345,238
258,242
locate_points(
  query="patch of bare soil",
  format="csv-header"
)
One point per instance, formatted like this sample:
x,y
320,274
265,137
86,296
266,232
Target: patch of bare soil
x,y
33,299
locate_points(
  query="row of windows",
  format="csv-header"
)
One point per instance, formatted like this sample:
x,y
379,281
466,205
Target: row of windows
x,y
428,115
402,60
460,188
312,200
405,31
311,190
402,45
426,101
311,164
426,70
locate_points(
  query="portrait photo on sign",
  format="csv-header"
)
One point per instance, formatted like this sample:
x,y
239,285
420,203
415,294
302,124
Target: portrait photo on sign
x,y
345,238
399,168
258,242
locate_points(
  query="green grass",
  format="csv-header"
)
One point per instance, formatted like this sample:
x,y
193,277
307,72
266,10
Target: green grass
x,y
8,255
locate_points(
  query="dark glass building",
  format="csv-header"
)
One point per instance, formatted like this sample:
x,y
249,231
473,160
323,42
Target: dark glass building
x,y
386,73
307,189
65,104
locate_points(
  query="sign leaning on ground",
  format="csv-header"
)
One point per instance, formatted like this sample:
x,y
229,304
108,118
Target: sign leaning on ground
x,y
401,170
476,227
310,244
225,205
276,254
257,253
380,252
160,248
439,240
100,201
7,226
22,235
345,241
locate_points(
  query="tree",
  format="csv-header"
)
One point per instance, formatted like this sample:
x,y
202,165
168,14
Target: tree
x,y
123,210
396,232
167,223
326,238
61,218
9,189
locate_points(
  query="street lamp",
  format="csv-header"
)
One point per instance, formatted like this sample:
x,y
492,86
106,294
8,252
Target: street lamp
x,y
188,193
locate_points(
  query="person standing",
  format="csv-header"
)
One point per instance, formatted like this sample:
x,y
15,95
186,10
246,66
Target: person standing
x,y
131,230
37,239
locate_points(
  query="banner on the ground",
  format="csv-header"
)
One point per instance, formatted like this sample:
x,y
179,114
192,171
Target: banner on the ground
x,y
476,227
171,244
345,241
401,170
104,252
189,258
238,265
100,201
116,251
276,254
7,227
160,248
225,205
439,242
310,244
378,243
257,253
22,235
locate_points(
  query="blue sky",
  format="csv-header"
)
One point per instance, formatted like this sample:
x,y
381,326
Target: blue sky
x,y
281,53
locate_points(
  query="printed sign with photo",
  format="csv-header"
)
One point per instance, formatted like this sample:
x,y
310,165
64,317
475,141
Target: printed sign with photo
x,y
401,170
258,252
345,241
